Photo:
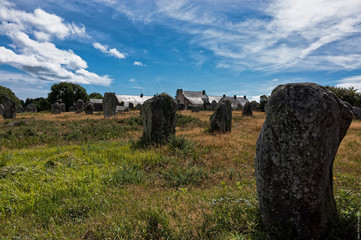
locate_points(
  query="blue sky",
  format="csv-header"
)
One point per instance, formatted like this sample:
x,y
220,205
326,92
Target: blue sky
x,y
233,47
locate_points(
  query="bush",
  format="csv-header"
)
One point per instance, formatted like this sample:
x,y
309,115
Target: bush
x,y
349,95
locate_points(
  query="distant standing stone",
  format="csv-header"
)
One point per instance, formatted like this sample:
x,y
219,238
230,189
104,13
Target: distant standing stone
x,y
159,116
20,109
247,109
110,103
9,108
1,109
55,108
79,106
214,105
72,109
304,126
131,106
195,109
62,107
89,108
356,113
138,106
221,119
254,106
31,108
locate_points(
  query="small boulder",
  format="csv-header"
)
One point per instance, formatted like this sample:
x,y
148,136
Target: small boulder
x,y
110,103
55,108
9,108
31,108
356,112
79,106
89,108
221,119
304,126
72,109
159,116
247,109
20,109
62,107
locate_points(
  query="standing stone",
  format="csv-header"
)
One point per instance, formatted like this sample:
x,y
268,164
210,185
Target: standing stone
x,y
159,118
239,107
195,109
1,109
131,106
62,107
356,112
138,106
20,109
254,106
9,108
55,108
79,106
221,119
89,108
247,109
72,109
31,108
110,103
304,126
214,105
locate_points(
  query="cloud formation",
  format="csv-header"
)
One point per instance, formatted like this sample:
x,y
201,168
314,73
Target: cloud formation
x,y
271,36
354,81
137,63
32,51
111,52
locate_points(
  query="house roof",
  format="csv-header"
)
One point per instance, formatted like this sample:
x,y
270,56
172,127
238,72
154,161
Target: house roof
x,y
195,97
93,100
236,101
132,99
214,98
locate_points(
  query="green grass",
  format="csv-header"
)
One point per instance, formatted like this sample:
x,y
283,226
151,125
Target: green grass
x,y
109,188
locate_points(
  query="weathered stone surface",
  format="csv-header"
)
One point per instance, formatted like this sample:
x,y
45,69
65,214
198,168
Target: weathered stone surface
x,y
110,103
247,109
62,107
18,123
31,108
72,109
1,109
55,108
159,116
254,106
214,105
20,109
9,108
89,108
195,109
304,126
221,119
79,106
356,112
131,106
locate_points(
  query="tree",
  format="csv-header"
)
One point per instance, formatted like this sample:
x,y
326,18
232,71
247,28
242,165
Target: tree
x,y
349,95
95,95
262,103
67,93
42,104
7,92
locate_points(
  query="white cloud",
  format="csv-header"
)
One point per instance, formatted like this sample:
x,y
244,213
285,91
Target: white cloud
x,y
354,81
280,35
132,80
137,63
32,51
111,52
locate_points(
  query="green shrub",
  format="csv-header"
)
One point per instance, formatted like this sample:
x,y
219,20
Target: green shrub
x,y
180,144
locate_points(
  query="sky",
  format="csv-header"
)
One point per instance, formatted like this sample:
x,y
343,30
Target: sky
x,y
232,47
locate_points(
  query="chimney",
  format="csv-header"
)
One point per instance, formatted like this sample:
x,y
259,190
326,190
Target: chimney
x,y
141,95
235,97
204,92
244,97
224,95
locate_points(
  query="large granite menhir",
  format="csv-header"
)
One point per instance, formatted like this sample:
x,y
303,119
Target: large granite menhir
x,y
110,103
221,119
9,108
55,108
304,126
159,119
79,106
247,109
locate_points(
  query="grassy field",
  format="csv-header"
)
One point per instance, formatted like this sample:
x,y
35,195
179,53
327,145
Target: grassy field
x,y
75,176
